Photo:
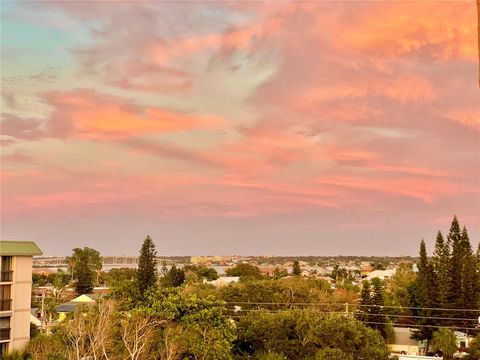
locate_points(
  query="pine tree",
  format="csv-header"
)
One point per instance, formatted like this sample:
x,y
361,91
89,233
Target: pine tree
x,y
366,301
296,270
85,274
376,313
469,290
424,298
456,264
147,266
441,264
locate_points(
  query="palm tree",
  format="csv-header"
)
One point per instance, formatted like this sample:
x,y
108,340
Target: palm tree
x,y
50,312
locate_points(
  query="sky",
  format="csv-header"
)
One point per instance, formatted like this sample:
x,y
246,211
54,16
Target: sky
x,y
274,128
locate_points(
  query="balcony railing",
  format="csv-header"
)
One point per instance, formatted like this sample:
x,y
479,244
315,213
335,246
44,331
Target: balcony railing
x,y
6,276
5,304
5,334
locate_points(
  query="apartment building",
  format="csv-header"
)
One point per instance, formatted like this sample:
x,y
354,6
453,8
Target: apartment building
x,y
15,293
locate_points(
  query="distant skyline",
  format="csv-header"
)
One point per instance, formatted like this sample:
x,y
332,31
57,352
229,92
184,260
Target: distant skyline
x,y
259,128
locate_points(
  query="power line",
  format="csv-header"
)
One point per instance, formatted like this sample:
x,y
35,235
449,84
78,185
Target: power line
x,y
374,322
360,313
349,304
424,326
409,325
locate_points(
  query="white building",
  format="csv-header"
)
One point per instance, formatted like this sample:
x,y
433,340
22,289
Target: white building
x,y
15,293
381,274
223,281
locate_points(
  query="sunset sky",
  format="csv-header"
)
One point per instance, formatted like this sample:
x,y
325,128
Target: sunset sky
x,y
294,128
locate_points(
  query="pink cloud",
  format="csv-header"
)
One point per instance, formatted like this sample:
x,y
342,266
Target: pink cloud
x,y
172,151
420,189
369,160
88,115
24,129
18,157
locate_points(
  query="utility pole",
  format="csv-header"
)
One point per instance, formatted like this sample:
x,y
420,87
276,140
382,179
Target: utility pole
x,y
42,312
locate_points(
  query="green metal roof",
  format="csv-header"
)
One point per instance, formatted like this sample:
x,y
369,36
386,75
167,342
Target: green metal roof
x,y
19,248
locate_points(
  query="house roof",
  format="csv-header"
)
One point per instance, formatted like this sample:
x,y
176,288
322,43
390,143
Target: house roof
x,y
381,274
66,307
72,305
19,248
85,298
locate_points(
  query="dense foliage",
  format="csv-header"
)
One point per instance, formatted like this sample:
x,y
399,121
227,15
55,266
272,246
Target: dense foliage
x,y
84,258
245,271
308,334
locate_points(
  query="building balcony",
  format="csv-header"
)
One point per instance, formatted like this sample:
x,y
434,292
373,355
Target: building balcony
x,y
5,334
6,276
5,305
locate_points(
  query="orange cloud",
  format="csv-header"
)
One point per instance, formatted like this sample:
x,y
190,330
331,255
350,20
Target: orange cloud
x,y
469,118
439,29
86,114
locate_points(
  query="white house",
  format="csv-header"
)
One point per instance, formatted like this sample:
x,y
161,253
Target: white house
x,y
223,280
381,274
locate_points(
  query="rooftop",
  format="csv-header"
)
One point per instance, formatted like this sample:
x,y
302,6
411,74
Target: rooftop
x,y
19,248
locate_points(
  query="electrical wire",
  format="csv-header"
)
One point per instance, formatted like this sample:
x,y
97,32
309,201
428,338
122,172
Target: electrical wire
x,y
350,304
361,313
367,322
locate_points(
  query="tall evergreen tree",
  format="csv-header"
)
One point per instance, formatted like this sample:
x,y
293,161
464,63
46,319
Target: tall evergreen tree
x,y
450,280
456,264
441,264
85,274
371,307
424,298
469,290
147,266
366,301
296,270
377,317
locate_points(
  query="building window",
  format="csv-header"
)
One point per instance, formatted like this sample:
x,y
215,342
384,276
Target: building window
x,y
5,297
4,328
6,274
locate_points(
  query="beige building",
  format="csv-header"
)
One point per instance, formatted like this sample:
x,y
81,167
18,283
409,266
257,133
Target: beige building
x,y
15,293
